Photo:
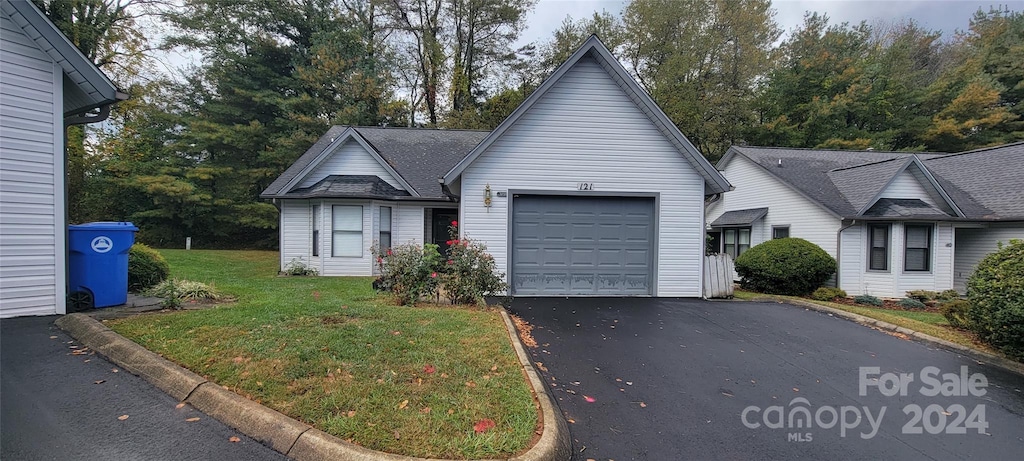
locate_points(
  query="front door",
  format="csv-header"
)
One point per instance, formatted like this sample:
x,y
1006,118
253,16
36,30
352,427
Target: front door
x,y
442,219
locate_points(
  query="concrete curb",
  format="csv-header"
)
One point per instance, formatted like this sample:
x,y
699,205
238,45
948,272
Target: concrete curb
x,y
283,434
980,356
554,443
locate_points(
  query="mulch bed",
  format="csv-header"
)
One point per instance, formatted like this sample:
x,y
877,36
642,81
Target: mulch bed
x,y
887,304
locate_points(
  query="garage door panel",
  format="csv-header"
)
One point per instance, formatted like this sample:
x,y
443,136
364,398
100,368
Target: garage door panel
x,y
572,245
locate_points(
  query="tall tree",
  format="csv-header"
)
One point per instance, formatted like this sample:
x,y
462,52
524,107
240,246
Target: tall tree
x,y
700,60
572,33
422,20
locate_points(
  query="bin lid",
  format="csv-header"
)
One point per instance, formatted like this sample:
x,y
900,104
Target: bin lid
x,y
105,226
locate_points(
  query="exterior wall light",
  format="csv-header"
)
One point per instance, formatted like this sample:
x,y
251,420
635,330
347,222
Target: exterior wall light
x,y
487,195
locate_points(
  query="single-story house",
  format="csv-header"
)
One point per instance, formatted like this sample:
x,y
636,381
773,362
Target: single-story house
x,y
894,221
586,189
46,85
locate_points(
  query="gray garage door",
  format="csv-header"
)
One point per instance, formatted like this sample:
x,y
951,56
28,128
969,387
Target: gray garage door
x,y
573,245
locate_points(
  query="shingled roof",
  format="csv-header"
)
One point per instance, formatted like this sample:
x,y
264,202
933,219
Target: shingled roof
x,y
418,156
986,184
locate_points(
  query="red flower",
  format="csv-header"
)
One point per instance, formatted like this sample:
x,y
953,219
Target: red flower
x,y
455,223
449,242
380,260
429,369
451,262
483,425
389,251
433,275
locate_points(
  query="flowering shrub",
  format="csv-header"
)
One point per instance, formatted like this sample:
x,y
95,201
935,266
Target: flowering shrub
x,y
409,271
469,273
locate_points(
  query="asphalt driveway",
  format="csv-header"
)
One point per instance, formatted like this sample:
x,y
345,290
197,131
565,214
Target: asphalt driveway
x,y
687,379
59,404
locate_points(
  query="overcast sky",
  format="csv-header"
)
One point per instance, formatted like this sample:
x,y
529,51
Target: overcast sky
x,y
945,15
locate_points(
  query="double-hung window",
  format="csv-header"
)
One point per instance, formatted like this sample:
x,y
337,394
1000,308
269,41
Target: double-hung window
x,y
316,230
735,241
918,248
384,239
878,247
347,231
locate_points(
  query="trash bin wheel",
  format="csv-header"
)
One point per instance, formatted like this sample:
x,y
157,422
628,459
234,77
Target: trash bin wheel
x,y
79,301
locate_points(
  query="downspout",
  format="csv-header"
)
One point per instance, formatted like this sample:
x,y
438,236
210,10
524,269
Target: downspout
x,y
839,248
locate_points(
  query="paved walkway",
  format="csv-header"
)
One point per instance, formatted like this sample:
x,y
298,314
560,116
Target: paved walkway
x,y
671,380
51,407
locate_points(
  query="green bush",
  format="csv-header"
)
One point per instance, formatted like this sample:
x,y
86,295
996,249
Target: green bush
x,y
922,295
409,271
957,313
828,294
146,268
996,293
867,300
948,295
911,303
789,266
470,273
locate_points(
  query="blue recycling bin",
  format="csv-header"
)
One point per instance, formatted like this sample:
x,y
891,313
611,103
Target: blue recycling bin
x,y
98,264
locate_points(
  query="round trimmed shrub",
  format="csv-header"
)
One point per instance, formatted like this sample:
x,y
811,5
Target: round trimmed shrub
x,y
789,266
868,300
828,294
911,303
996,293
146,268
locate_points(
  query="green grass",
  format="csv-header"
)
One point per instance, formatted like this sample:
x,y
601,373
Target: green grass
x,y
329,352
930,323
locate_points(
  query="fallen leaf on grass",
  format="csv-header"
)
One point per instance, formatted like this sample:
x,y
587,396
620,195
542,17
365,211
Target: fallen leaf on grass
x,y
425,410
238,360
100,381
429,369
470,384
397,435
180,405
404,404
483,425
396,333
444,375
589,399
191,420
494,368
122,417
234,439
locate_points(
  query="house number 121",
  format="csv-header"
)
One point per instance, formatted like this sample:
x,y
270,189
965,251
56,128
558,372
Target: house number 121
x,y
584,186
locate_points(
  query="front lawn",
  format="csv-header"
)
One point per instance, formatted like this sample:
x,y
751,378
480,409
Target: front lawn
x,y
329,352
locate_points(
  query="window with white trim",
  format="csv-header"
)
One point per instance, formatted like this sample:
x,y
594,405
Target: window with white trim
x,y
917,248
316,230
347,231
878,247
780,232
384,237
735,241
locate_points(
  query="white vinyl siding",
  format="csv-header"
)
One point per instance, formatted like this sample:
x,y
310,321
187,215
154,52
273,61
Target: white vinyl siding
x,y
856,279
32,224
349,159
296,235
912,184
755,188
973,244
408,224
585,129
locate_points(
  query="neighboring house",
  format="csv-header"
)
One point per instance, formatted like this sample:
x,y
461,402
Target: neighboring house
x,y
586,189
46,84
895,221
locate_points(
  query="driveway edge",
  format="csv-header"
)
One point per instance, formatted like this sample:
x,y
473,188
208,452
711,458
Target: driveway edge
x,y
281,433
980,356
554,443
